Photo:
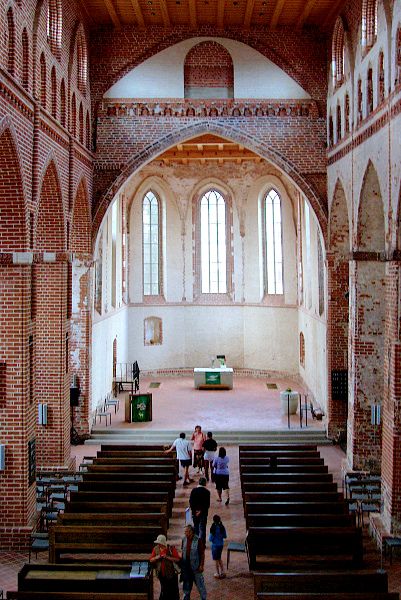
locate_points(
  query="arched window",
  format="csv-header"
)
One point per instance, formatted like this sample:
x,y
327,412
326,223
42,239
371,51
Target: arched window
x,y
213,243
88,131
25,60
359,113
338,53
63,116
11,42
54,92
398,57
338,122
381,84
151,246
273,243
346,115
82,70
54,26
331,131
369,23
43,80
301,349
369,91
81,124
73,116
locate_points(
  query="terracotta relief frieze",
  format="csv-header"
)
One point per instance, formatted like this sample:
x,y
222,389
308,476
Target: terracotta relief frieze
x,y
209,108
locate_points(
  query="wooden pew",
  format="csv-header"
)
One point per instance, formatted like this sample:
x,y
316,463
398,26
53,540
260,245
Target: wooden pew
x,y
273,476
294,468
288,486
278,447
107,473
299,520
283,460
101,540
123,464
304,547
356,581
292,497
328,596
116,507
133,487
133,447
292,507
114,497
114,519
265,454
13,595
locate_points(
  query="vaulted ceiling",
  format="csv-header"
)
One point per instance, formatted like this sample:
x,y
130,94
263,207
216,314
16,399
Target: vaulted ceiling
x,y
221,14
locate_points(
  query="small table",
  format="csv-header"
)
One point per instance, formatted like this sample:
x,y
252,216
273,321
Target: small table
x,y
213,378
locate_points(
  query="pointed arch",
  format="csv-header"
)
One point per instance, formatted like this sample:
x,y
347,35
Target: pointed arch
x,y
13,230
80,230
82,62
370,233
338,53
11,50
339,224
50,229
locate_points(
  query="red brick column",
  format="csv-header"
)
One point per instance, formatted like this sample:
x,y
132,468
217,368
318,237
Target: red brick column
x,y
17,408
337,337
391,414
51,362
366,348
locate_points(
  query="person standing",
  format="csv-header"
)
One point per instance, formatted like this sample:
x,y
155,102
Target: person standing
x,y
209,452
184,455
222,475
193,561
217,536
162,559
199,501
198,437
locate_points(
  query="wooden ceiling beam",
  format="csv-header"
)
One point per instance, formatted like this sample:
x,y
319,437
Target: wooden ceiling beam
x,y
305,13
335,9
208,155
165,15
112,12
138,13
220,13
192,14
278,9
248,13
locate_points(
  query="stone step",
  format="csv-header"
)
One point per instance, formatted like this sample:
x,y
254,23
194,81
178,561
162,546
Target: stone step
x,y
154,436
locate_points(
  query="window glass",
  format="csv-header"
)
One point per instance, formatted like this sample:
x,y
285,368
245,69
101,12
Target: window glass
x,y
213,243
151,246
274,246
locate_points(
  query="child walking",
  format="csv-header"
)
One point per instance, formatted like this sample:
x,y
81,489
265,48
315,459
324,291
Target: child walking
x,y
216,537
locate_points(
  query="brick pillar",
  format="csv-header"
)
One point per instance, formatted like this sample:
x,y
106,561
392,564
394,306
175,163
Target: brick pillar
x,y
391,414
80,339
17,410
51,378
366,347
337,337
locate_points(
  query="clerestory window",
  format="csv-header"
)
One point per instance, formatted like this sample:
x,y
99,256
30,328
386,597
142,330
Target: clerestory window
x,y
151,244
273,243
213,243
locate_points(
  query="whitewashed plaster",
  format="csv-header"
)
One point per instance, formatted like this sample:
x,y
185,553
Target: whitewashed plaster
x,y
162,75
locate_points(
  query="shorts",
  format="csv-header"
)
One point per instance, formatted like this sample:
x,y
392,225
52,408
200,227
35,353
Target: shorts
x,y
221,482
186,462
216,552
209,455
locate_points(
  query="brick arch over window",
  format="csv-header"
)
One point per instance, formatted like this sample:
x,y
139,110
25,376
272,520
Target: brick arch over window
x,y
369,23
80,232
230,133
337,53
82,62
11,42
12,205
54,26
371,228
50,233
208,72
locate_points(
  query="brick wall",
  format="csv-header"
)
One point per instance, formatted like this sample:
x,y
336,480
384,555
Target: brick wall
x,y
208,64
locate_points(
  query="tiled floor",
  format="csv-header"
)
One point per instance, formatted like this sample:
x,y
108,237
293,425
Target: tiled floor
x,y
252,405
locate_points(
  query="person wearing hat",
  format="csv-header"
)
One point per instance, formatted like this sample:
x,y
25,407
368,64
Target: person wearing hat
x,y
164,559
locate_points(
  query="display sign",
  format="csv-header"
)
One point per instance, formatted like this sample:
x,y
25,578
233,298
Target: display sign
x,y
212,378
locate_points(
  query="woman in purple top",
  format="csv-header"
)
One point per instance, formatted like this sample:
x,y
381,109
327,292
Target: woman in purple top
x,y
221,474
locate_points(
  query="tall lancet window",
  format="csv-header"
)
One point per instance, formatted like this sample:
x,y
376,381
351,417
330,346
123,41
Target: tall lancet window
x,y
213,243
273,244
151,244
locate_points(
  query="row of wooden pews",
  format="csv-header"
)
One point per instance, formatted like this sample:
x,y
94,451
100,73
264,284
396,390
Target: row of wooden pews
x,y
302,542
122,504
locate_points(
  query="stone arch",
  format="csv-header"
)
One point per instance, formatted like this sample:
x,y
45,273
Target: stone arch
x,y
227,132
370,233
50,230
80,231
13,226
339,228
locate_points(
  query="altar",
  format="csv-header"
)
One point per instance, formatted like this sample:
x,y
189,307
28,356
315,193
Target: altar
x,y
213,378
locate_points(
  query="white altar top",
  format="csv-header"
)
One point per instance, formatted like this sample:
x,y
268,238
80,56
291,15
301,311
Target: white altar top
x,y
218,377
